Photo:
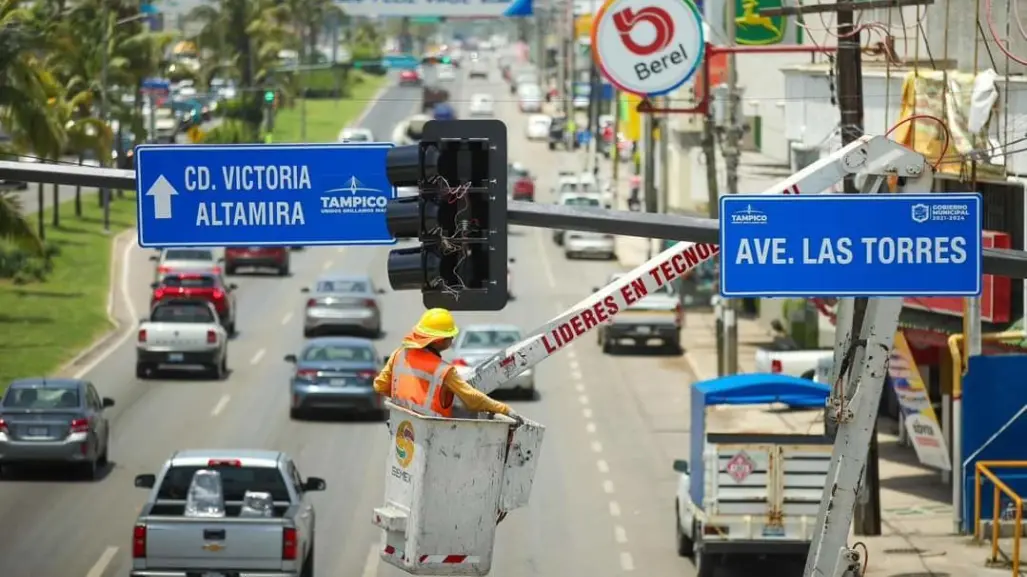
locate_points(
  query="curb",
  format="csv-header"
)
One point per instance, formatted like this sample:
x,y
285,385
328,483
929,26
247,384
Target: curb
x,y
693,367
116,327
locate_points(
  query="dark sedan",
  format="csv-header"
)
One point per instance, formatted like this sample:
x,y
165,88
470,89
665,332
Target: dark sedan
x,y
57,421
335,373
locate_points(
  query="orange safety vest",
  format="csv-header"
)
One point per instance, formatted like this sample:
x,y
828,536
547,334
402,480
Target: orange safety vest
x,y
417,377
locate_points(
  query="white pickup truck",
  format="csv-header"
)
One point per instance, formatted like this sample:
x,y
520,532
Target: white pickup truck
x,y
796,363
182,334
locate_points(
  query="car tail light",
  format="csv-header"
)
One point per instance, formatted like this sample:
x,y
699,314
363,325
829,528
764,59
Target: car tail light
x,y
142,335
3,426
459,363
311,303
139,542
212,337
367,374
224,463
79,426
164,269
290,544
775,366
370,303
308,374
216,270
218,294
159,294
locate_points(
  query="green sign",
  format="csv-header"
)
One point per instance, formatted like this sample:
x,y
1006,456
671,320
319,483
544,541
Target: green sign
x,y
269,96
425,20
752,29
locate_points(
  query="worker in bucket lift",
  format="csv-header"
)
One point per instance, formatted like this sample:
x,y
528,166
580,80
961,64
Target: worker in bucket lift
x,y
417,378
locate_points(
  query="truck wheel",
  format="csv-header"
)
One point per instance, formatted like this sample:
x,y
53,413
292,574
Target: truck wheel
x,y
704,564
220,370
607,346
686,547
142,371
674,346
552,146
283,271
229,270
230,329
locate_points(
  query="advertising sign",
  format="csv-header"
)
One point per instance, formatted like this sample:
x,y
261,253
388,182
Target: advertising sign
x,y
648,47
918,413
850,245
437,8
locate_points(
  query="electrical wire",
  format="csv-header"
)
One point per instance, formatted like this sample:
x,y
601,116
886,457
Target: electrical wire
x,y
944,126
1002,46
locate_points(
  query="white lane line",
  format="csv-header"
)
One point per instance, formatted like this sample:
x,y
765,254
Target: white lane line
x,y
130,308
286,318
597,447
222,403
614,509
327,265
590,427
608,487
256,357
579,387
574,365
371,564
98,568
583,399
341,250
627,563
576,375
571,354
619,534
602,466
586,412
550,278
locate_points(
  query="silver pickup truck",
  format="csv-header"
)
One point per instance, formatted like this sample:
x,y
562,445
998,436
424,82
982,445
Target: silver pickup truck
x,y
168,542
656,318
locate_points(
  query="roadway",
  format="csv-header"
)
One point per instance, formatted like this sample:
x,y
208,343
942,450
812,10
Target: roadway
x,y
602,500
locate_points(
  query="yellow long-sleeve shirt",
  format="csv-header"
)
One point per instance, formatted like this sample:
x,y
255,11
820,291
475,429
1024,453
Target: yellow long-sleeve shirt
x,y
471,397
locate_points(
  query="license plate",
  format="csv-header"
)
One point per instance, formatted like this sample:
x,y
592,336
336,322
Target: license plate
x,y
644,330
38,431
338,382
773,531
175,357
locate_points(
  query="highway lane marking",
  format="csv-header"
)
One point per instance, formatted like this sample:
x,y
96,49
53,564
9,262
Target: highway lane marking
x,y
256,357
579,387
340,250
608,487
627,563
619,534
590,427
286,318
574,365
327,265
222,403
602,466
576,375
597,447
571,355
583,399
129,308
550,277
586,412
614,509
371,564
98,568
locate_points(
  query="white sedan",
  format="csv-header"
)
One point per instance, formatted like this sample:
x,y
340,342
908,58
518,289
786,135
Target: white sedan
x,y
538,127
356,135
482,105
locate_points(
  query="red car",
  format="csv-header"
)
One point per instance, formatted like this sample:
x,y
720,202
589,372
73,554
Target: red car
x,y
203,285
272,257
524,189
409,78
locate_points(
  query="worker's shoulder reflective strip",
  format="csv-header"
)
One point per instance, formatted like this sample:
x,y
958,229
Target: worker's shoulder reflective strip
x,y
436,381
401,367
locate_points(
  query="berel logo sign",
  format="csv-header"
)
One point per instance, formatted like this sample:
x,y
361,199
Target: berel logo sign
x,y
648,47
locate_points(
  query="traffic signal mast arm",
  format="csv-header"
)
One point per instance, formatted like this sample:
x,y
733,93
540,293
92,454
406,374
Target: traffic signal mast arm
x,y
863,343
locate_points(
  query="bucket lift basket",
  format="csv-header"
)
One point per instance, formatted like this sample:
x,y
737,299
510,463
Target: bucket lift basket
x,y
448,481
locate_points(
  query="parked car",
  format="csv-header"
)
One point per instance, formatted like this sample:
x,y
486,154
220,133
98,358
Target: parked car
x,y
257,257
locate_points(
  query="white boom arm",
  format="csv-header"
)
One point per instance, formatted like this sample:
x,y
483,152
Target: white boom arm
x,y
874,157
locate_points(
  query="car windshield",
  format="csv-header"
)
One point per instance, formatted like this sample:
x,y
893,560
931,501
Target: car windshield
x,y
581,201
476,339
181,313
335,352
188,254
41,398
235,481
189,281
343,286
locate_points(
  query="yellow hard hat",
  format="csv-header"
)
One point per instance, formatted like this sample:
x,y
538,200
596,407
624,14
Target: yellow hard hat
x,y
437,323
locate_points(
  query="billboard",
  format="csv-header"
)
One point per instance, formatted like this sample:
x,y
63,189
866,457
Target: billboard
x,y
437,8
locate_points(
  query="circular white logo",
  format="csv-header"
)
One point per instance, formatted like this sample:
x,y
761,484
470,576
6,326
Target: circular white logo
x,y
648,47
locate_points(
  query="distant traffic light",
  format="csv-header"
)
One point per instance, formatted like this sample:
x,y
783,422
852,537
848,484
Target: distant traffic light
x,y
269,96
459,215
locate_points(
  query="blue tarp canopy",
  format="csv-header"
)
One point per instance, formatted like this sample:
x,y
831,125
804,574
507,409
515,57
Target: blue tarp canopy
x,y
759,389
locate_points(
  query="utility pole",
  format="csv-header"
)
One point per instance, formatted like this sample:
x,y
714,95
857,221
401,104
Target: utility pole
x,y
664,148
649,127
561,63
572,73
105,193
732,158
615,153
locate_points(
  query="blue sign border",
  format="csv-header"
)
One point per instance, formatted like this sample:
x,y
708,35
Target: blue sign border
x,y
182,148
976,198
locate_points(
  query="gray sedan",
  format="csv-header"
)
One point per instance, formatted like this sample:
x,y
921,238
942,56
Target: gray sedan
x,y
54,421
476,343
342,304
335,373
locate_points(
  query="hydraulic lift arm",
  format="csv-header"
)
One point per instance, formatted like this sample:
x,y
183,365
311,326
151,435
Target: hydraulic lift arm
x,y
861,349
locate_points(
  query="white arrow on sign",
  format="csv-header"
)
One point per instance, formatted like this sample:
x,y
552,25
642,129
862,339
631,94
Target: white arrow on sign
x,y
162,191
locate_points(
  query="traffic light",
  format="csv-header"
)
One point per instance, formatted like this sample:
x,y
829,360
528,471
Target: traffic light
x,y
269,96
458,215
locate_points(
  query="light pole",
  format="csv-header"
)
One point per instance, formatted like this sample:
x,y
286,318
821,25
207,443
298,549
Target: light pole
x,y
108,32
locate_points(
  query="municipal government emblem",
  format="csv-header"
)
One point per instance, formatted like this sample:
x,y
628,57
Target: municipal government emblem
x,y
921,212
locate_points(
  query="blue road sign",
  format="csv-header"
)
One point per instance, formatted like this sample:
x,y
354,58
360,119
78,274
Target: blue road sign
x,y
848,245
400,61
259,195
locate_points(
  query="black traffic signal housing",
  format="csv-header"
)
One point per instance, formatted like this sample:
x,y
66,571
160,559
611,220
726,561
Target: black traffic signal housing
x,y
458,215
